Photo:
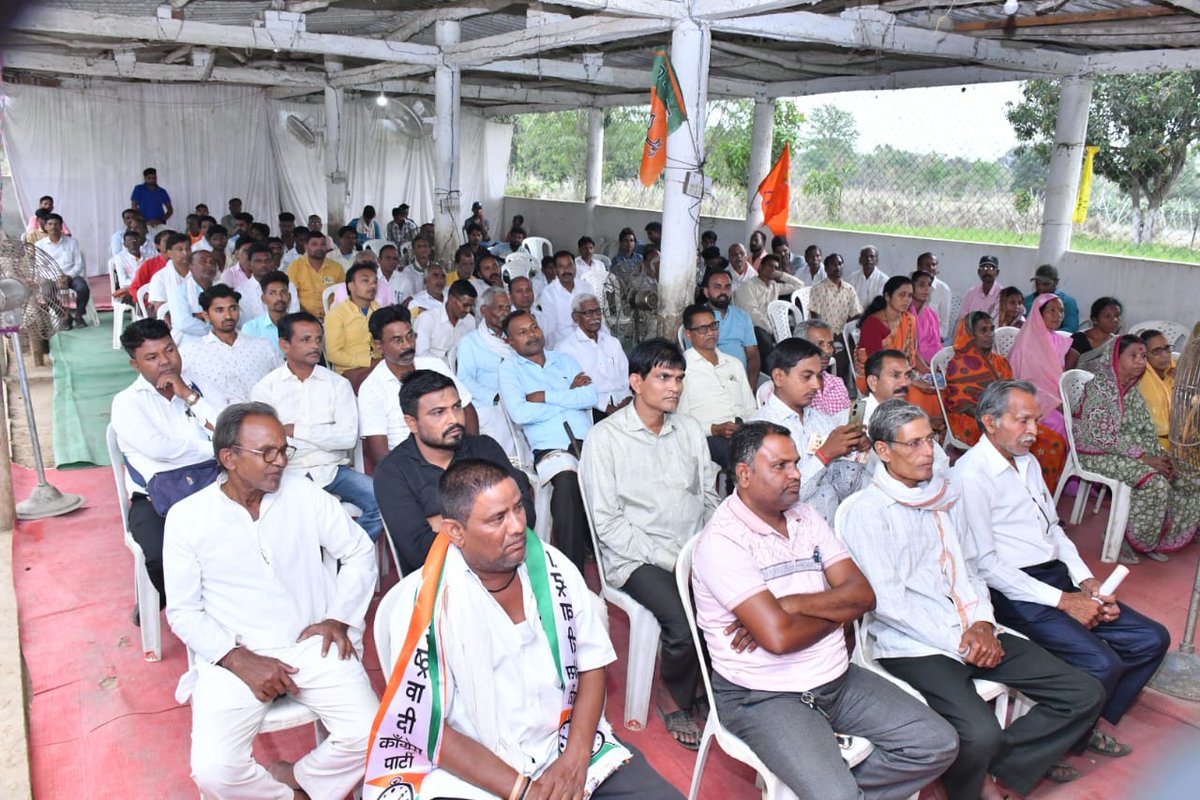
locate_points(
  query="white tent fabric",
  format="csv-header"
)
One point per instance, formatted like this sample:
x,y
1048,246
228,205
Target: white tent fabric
x,y
87,148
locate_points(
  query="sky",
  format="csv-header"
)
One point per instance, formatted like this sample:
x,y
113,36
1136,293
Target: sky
x,y
966,120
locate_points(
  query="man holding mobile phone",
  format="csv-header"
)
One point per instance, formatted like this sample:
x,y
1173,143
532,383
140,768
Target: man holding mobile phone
x,y
830,470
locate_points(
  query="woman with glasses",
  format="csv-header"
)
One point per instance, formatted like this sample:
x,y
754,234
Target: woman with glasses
x,y
1158,382
1115,436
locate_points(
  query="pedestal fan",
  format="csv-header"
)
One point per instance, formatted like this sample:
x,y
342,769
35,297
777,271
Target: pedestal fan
x,y
1179,674
30,303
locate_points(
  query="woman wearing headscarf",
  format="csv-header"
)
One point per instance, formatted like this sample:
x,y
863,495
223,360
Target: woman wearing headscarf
x,y
1115,436
1158,382
1037,356
972,367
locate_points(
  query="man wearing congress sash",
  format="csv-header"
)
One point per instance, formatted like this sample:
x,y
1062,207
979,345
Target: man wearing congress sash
x,y
497,690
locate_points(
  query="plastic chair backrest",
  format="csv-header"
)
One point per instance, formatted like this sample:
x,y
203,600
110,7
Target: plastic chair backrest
x,y
683,578
1005,336
780,312
850,340
327,297
800,298
143,300
537,246
519,264
1070,390
117,460
374,245
1173,332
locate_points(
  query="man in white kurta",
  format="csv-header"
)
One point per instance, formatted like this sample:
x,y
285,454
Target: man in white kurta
x,y
600,355
255,596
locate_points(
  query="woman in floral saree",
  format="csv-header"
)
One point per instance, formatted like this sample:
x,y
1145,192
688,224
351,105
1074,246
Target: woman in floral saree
x,y
1115,436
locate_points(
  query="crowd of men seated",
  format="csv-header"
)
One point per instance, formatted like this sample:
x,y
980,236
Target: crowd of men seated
x,y
438,418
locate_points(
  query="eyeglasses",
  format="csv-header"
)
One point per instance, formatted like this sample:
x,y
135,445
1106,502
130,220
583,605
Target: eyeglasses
x,y
271,454
1158,351
989,269
591,312
709,328
916,444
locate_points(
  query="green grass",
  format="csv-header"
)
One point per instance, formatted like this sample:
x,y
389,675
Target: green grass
x,y
1080,242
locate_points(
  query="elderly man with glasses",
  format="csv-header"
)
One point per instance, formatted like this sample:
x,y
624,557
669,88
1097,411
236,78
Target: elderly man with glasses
x,y
934,626
268,586
600,355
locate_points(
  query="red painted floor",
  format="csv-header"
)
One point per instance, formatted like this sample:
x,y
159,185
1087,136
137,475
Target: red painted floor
x,y
105,722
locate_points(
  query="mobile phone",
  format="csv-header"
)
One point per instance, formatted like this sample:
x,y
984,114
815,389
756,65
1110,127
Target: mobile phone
x,y
858,412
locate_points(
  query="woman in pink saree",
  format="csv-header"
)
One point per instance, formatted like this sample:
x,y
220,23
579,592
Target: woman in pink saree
x,y
1037,356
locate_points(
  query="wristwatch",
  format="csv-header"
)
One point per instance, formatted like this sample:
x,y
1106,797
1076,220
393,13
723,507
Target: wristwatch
x,y
192,399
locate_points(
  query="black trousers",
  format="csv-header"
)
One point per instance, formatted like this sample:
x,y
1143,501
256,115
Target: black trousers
x,y
679,667
146,527
568,526
1123,654
1068,703
766,343
83,293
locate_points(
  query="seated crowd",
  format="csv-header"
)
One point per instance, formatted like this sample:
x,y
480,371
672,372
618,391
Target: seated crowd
x,y
372,392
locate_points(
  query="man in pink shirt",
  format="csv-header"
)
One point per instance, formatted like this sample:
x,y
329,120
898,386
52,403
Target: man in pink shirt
x,y
773,589
986,296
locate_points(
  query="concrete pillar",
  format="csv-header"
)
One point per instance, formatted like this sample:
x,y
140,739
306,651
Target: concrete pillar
x,y
336,190
1062,181
690,47
595,167
761,137
447,202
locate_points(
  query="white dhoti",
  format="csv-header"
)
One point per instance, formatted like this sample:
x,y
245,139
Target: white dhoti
x,y
226,717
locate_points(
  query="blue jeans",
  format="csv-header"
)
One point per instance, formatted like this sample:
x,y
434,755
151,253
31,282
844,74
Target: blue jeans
x,y
358,489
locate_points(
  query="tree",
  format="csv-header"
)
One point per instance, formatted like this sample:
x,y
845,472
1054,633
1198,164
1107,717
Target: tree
x,y
729,127
827,157
1145,126
551,146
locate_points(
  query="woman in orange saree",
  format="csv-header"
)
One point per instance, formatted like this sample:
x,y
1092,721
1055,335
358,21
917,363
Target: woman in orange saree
x,y
886,324
972,367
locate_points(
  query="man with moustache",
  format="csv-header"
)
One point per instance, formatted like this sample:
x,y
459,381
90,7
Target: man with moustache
x,y
1040,586
735,329
406,481
868,279
276,297
319,416
888,378
546,392
251,596
521,292
349,346
313,273
441,328
175,272
557,297
381,421
433,295
188,321
773,588
940,295
163,421
600,355
651,486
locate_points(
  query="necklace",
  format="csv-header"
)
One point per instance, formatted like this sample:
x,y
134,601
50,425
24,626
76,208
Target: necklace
x,y
506,584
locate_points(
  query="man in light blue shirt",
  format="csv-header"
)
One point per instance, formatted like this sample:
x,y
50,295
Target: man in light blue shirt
x,y
183,301
545,392
276,297
735,332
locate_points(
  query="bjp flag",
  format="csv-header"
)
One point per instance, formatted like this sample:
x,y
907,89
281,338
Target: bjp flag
x,y
666,113
776,195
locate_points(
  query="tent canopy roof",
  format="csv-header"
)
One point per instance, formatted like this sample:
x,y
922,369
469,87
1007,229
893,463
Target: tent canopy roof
x,y
521,56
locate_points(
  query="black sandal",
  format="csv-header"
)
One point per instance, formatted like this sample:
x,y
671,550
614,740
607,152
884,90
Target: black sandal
x,y
1103,744
1062,772
681,725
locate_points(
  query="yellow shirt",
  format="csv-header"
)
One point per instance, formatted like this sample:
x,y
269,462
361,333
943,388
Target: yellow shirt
x,y
311,283
348,342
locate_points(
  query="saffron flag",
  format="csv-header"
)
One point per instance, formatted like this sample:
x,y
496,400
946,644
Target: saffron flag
x,y
1084,198
776,196
666,114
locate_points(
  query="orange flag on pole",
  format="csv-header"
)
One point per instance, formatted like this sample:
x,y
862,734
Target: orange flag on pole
x,y
776,196
666,114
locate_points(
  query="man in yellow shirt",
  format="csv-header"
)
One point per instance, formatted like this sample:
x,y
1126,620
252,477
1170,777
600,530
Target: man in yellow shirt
x,y
349,347
313,273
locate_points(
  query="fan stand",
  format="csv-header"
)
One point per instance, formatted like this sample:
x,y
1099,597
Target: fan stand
x,y
1179,675
44,500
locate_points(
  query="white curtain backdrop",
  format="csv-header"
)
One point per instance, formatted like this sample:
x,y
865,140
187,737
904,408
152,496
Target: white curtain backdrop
x,y
87,148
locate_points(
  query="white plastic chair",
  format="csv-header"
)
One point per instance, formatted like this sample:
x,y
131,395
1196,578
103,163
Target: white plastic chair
x,y
850,340
644,635
147,596
938,365
784,315
683,342
382,629
1070,387
374,245
1176,333
519,265
772,787
956,301
118,310
800,299
538,247
143,301
327,297
1004,338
